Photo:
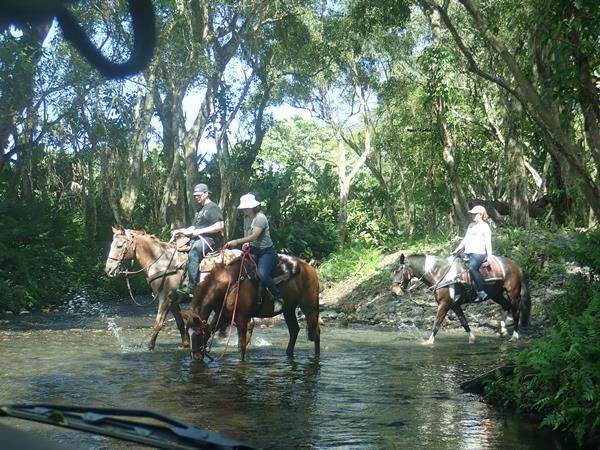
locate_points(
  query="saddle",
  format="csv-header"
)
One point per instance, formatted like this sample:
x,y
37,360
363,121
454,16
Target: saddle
x,y
492,269
183,244
285,268
227,256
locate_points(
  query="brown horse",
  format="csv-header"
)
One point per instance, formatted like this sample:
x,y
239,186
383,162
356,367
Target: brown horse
x,y
443,276
163,265
221,293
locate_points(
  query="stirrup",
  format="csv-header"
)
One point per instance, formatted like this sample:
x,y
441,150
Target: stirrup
x,y
479,299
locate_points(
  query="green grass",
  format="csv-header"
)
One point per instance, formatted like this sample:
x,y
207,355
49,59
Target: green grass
x,y
350,261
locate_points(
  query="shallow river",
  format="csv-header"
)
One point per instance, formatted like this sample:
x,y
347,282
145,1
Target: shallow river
x,y
370,389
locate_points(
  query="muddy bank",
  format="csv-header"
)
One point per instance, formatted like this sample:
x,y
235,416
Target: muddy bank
x,y
368,301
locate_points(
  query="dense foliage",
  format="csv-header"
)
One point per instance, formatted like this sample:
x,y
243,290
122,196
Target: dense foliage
x,y
558,376
407,114
45,255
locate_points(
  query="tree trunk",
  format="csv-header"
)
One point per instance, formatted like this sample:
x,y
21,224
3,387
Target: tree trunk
x,y
143,110
459,202
17,85
565,150
344,185
515,155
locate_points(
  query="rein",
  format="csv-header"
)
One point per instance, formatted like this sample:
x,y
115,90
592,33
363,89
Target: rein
x,y
437,285
245,255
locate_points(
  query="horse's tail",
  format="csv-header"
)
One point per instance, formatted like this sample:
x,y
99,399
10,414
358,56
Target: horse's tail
x,y
525,302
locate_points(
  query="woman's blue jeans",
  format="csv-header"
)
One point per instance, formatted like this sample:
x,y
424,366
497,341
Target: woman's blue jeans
x,y
266,260
475,261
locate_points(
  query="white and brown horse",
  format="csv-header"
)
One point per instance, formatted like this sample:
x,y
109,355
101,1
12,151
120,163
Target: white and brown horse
x,y
163,266
452,288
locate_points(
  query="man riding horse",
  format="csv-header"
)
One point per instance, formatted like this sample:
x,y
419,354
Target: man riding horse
x,y
205,232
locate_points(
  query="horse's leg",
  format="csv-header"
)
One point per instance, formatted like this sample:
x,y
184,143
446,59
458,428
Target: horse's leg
x,y
176,311
164,304
503,330
249,332
309,305
313,327
242,328
293,328
443,306
516,313
463,321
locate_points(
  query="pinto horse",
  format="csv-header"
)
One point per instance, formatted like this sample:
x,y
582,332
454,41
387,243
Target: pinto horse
x,y
232,298
510,290
164,267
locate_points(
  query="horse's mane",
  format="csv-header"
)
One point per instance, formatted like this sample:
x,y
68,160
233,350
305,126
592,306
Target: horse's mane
x,y
163,244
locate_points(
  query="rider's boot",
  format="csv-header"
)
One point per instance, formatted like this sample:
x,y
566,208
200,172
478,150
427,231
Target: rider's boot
x,y
186,293
481,297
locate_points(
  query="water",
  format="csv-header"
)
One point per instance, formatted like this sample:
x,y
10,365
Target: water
x,y
370,389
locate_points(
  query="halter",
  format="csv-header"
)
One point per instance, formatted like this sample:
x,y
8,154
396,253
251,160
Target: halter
x,y
409,289
130,237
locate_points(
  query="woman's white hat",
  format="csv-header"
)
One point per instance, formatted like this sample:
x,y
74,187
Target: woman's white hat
x,y
248,201
477,209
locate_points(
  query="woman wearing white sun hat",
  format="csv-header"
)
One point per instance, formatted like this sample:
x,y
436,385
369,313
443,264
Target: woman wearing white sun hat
x,y
258,237
478,246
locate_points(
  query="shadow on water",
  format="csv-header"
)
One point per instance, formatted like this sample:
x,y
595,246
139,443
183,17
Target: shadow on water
x,y
369,388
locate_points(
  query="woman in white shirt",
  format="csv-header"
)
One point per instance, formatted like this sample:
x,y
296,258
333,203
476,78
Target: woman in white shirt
x,y
477,244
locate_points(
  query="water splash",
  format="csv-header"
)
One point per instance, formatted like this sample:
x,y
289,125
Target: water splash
x,y
87,310
410,329
260,342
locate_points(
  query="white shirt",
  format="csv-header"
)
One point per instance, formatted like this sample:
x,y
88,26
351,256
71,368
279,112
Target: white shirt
x,y
478,239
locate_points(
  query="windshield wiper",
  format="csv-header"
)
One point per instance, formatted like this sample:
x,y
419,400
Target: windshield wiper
x,y
157,431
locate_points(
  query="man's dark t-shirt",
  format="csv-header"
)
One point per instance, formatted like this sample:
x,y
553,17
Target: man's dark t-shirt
x,y
207,216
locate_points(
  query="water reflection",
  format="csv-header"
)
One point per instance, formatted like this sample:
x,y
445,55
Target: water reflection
x,y
369,388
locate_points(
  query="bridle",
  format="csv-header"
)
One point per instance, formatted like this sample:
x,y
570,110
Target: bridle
x,y
130,239
197,327
406,277
119,270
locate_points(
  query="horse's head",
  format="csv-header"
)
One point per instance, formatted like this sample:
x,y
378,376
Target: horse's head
x,y
402,276
197,330
122,248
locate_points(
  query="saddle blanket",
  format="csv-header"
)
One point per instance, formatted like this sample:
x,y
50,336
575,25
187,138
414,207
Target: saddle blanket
x,y
491,270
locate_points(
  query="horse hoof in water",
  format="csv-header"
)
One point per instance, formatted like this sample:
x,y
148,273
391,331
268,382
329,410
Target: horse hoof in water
x,y
471,338
429,341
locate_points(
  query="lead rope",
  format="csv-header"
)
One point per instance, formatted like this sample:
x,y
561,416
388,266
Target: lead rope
x,y
235,303
222,254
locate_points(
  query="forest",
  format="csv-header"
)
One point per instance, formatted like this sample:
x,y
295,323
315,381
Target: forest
x,y
358,123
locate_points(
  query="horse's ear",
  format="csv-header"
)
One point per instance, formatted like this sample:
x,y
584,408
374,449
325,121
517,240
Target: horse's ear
x,y
114,230
402,258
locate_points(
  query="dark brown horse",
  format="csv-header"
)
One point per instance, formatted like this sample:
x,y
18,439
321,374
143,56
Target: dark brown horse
x,y
221,294
445,278
163,266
